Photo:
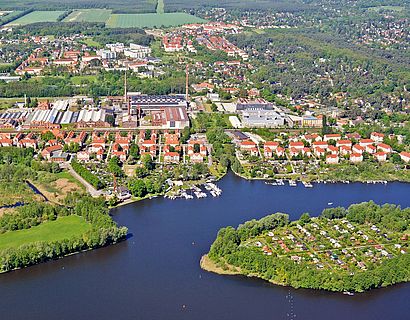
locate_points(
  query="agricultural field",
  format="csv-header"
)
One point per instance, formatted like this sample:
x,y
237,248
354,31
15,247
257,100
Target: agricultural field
x,y
6,15
151,20
88,15
60,229
37,16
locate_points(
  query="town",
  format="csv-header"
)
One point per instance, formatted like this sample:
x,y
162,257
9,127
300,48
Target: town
x,y
140,128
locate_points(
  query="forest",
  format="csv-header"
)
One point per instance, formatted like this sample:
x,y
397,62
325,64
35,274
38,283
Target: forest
x,y
301,63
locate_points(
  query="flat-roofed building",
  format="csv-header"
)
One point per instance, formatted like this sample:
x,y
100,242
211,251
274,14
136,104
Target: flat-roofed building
x,y
262,119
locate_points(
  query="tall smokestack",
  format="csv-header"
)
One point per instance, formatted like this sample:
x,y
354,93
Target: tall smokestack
x,y
125,93
186,81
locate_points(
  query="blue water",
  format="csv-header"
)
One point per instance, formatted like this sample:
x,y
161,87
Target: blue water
x,y
156,273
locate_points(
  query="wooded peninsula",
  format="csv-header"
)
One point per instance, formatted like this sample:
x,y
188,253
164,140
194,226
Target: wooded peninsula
x,y
355,249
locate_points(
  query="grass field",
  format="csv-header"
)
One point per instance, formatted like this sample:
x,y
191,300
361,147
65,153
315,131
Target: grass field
x,y
88,15
91,43
62,228
150,20
78,80
37,16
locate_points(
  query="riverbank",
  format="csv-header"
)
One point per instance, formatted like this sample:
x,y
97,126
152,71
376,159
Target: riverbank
x,y
398,177
209,265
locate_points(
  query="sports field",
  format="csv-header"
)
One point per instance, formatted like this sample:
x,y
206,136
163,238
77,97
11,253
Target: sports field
x,y
37,16
88,15
150,20
62,228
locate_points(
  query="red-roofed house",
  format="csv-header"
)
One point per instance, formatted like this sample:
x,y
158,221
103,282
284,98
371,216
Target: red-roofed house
x,y
197,158
247,145
356,157
319,152
298,145
6,142
320,144
334,136
333,149
293,152
341,143
48,151
332,159
384,147
171,157
377,137
370,149
307,152
280,152
366,142
405,156
380,156
345,150
358,149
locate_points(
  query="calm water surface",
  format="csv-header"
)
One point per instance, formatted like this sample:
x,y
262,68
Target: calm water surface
x,y
156,273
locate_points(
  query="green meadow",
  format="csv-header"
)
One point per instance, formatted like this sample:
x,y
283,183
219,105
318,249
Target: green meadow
x,y
60,229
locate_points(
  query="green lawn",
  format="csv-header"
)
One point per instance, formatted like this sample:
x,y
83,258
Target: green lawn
x,y
37,16
150,20
91,43
88,15
62,228
77,80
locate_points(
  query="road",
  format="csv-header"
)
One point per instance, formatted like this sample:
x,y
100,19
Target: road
x,y
90,189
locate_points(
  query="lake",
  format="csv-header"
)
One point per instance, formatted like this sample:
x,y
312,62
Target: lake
x,y
155,274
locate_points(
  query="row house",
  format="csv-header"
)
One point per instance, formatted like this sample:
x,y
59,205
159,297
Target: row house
x,y
72,137
149,150
269,148
48,151
4,142
171,157
118,151
319,152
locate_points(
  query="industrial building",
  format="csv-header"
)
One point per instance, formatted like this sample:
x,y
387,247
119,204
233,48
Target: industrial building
x,y
257,104
262,119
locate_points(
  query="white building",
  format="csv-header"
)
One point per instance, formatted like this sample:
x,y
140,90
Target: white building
x,y
137,51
